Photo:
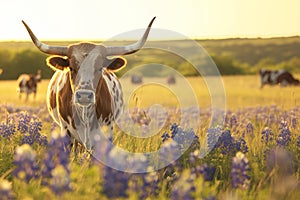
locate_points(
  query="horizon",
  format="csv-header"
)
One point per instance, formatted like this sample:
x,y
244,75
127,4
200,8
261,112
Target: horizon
x,y
99,19
170,39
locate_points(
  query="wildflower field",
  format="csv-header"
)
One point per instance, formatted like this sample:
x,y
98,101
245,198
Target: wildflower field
x,y
254,154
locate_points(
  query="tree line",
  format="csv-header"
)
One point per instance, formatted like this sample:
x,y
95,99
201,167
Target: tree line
x,y
231,56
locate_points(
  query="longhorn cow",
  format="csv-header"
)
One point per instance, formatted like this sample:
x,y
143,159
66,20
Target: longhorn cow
x,y
274,77
84,95
27,83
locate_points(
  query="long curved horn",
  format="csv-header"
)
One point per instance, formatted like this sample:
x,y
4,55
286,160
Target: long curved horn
x,y
54,50
129,49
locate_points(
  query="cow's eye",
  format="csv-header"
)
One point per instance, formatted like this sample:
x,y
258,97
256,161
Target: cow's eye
x,y
72,70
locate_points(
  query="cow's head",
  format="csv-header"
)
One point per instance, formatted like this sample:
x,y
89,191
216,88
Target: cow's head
x,y
86,63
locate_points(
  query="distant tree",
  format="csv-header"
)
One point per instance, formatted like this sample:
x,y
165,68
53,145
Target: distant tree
x,y
227,65
26,61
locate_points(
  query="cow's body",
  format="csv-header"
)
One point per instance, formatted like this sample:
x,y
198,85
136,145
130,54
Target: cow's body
x,y
27,83
103,113
84,95
275,77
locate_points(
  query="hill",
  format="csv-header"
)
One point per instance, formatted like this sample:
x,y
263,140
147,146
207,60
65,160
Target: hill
x,y
232,56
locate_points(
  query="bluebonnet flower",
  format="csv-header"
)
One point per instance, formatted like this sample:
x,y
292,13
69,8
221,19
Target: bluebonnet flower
x,y
7,130
226,142
184,139
23,121
57,154
6,192
115,183
175,129
239,171
283,124
249,128
194,156
165,136
26,166
167,152
30,126
143,185
233,121
60,181
267,135
205,170
294,121
241,145
183,187
213,135
284,137
150,184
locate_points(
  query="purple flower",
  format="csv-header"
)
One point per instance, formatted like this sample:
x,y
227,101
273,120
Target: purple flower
x,y
175,129
115,183
213,135
226,143
57,154
30,126
6,192
267,135
239,171
284,137
233,121
184,139
183,187
283,124
249,128
60,181
23,121
241,145
7,130
165,136
205,170
26,166
294,122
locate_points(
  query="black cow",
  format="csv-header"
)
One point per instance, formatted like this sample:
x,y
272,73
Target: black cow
x,y
27,83
275,77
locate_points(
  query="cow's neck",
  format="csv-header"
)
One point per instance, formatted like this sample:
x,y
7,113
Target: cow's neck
x,y
86,123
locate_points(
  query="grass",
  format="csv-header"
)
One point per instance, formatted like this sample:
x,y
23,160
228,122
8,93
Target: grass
x,y
241,91
245,101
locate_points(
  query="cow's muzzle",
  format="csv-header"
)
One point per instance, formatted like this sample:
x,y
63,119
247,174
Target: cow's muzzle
x,y
84,97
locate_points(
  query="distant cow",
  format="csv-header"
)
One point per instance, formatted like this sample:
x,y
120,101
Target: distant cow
x,y
27,83
136,79
171,80
274,77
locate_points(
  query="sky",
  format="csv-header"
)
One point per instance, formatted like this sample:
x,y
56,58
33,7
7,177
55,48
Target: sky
x,y
99,19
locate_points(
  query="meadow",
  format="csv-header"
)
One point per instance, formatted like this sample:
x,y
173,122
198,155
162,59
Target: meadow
x,y
253,154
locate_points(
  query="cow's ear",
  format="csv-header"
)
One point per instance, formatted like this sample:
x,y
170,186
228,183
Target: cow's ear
x,y
115,64
57,62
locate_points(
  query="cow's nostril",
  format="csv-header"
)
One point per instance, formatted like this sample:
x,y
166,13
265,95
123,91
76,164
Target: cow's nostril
x,y
84,97
78,96
91,96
